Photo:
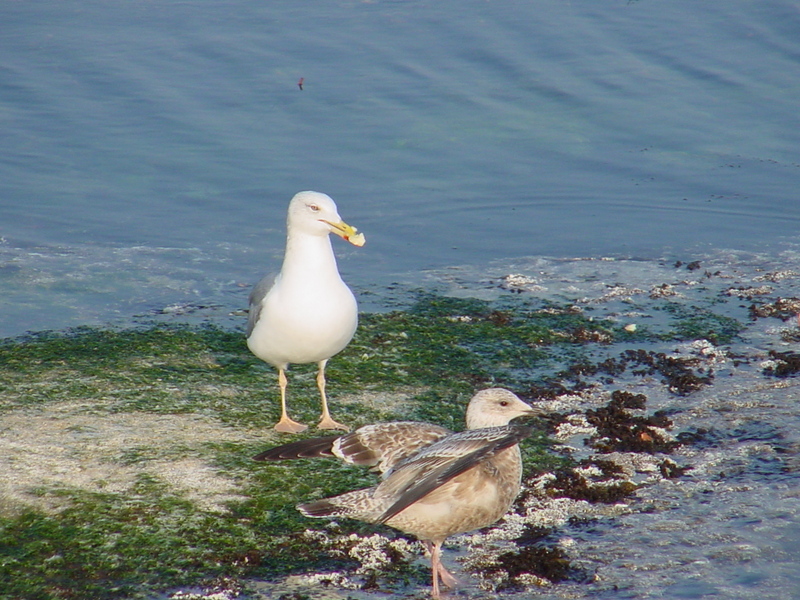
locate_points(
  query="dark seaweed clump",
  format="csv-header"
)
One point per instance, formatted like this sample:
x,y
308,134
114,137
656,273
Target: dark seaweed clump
x,y
620,431
549,563
569,484
681,375
537,555
787,364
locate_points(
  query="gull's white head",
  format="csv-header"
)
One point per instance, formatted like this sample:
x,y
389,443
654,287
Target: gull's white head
x,y
313,213
496,407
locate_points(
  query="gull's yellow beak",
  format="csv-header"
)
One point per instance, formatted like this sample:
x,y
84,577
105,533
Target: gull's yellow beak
x,y
348,233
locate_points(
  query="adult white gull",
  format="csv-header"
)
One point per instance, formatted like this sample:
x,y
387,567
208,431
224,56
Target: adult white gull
x,y
306,313
436,483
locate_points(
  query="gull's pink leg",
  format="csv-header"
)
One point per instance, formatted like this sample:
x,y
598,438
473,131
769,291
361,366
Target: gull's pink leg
x,y
286,425
325,421
437,568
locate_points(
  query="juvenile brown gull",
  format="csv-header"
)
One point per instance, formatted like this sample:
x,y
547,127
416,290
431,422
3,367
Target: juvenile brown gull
x,y
306,313
435,483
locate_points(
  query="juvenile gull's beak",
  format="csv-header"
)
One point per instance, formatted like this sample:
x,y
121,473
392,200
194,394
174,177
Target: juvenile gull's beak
x,y
347,232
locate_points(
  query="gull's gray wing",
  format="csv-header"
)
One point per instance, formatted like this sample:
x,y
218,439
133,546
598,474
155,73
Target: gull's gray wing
x,y
258,293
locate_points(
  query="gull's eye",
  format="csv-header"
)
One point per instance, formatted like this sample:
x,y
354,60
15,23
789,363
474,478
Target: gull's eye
x,y
313,207
504,403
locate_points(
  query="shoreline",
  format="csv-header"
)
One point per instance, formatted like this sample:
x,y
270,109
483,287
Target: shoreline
x,y
137,442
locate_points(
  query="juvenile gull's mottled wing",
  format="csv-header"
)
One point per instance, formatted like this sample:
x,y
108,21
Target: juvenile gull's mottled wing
x,y
382,446
440,462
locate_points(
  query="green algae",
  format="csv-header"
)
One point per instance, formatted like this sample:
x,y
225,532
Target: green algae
x,y
153,537
699,322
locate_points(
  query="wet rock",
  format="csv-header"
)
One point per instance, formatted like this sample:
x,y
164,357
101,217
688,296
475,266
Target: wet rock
x,y
515,282
669,469
748,292
782,308
692,266
584,335
664,290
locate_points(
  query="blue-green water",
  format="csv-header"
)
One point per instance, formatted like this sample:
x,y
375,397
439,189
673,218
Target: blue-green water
x,y
149,149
